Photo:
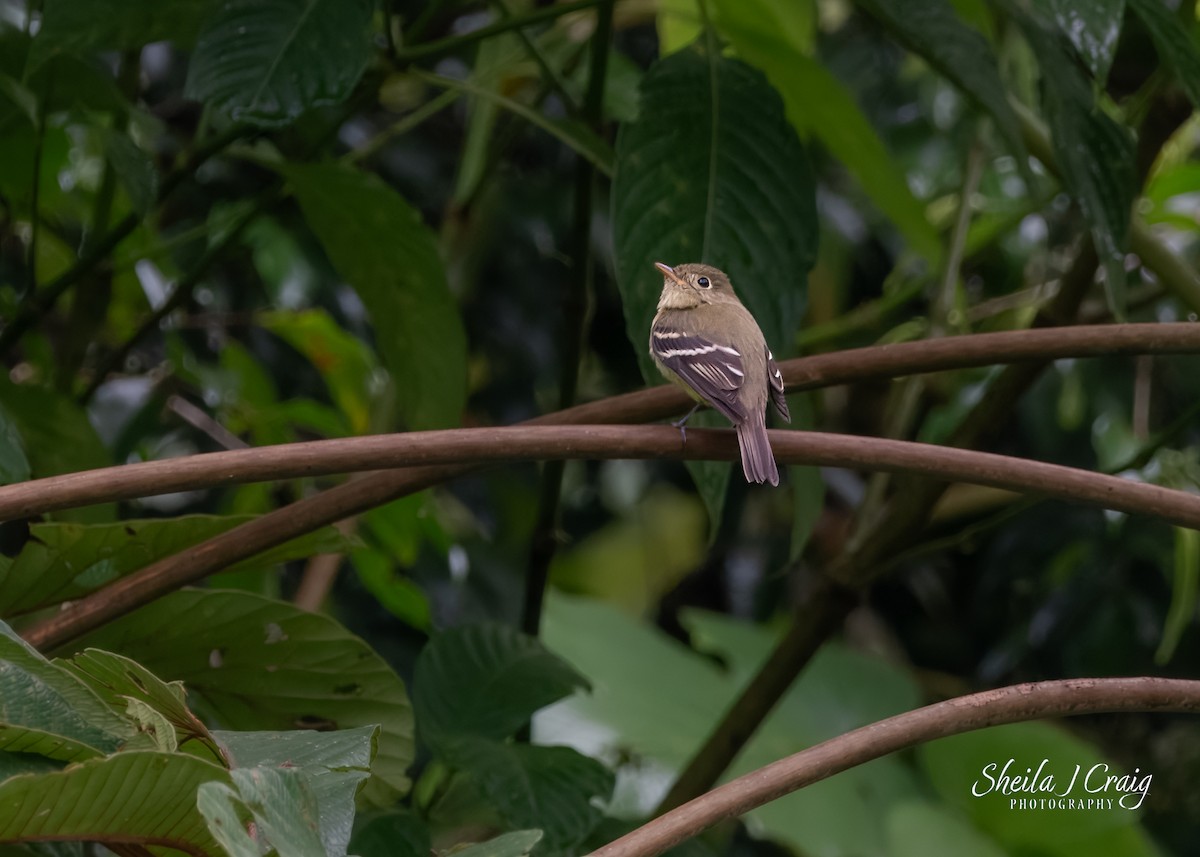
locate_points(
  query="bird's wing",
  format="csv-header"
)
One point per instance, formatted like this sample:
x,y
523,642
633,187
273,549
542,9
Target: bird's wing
x,y
776,379
713,370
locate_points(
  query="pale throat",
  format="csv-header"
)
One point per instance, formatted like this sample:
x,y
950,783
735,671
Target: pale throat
x,y
678,298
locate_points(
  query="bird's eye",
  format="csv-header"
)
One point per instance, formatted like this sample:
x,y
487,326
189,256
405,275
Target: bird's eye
x,y
703,282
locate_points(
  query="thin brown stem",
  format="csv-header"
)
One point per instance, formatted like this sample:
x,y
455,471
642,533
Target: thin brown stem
x,y
1015,704
544,540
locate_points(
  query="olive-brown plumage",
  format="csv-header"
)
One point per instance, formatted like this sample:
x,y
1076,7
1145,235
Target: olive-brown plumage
x,y
704,340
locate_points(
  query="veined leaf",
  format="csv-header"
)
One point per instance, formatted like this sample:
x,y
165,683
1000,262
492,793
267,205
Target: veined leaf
x,y
136,797
255,663
65,561
46,710
712,172
931,29
1175,46
553,787
1094,155
267,61
377,242
1093,27
485,681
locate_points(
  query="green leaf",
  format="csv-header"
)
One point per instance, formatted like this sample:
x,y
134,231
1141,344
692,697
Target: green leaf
x,y
1175,46
485,680
57,436
330,765
283,806
133,167
1093,28
518,843
931,29
267,61
1094,154
956,767
80,26
346,364
377,242
65,561
14,466
45,709
920,829
116,678
254,663
553,787
136,797
394,834
657,700
712,172
1185,585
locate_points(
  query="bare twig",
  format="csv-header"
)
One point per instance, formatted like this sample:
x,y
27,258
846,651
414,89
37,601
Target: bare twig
x,y
1015,704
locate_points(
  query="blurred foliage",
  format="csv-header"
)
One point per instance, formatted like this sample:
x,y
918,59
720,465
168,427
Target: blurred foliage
x,y
268,221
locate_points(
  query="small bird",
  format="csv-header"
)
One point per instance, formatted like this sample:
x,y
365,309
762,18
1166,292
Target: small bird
x,y
704,340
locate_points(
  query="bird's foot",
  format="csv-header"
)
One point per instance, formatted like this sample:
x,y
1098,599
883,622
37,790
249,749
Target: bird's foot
x,y
681,423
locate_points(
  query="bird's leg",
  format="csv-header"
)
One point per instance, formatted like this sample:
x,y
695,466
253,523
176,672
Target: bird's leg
x,y
682,422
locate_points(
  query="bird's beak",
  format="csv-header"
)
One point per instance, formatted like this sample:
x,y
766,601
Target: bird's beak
x,y
669,272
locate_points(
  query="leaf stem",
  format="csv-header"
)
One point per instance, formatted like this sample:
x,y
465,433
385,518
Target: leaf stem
x,y
449,45
578,138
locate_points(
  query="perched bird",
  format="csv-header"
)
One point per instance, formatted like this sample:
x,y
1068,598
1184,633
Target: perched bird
x,y
704,340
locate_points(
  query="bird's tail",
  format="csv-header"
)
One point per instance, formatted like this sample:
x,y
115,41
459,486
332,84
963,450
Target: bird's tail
x,y
757,461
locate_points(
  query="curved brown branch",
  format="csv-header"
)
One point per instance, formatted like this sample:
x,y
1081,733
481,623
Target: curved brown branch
x,y
469,447
344,456
440,454
805,373
1014,704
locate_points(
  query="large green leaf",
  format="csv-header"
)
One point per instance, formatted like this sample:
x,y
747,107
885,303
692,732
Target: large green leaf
x,y
65,561
931,29
377,242
1175,46
556,788
57,437
254,663
486,681
1094,154
657,700
119,681
1093,28
331,765
282,804
84,25
819,105
139,798
920,829
45,709
959,769
712,172
267,61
